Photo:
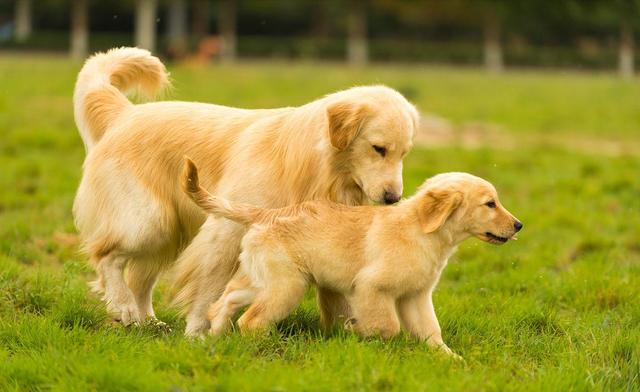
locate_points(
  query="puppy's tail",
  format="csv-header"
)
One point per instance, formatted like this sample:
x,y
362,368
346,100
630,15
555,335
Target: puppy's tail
x,y
238,212
105,78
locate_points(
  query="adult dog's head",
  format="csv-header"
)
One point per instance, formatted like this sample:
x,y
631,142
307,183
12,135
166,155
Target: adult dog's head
x,y
372,129
468,205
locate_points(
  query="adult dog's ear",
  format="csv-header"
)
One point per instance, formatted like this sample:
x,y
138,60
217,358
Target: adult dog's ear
x,y
345,121
435,207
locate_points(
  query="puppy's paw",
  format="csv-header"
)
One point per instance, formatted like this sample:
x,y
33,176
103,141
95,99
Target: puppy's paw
x,y
448,352
220,325
196,332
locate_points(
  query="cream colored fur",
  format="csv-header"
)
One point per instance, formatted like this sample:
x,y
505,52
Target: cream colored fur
x,y
134,219
385,260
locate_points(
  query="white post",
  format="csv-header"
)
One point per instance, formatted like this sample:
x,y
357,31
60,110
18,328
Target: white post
x,y
227,25
626,63
357,48
145,36
492,47
200,24
23,20
79,29
177,27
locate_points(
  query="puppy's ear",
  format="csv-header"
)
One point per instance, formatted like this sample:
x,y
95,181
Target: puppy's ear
x,y
345,121
436,206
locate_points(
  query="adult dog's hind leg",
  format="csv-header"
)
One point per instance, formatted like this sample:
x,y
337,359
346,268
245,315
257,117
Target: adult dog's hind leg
x,y
142,276
97,285
120,301
205,267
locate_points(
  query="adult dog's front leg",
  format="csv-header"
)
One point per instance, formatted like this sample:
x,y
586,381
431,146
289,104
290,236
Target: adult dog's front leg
x,y
333,306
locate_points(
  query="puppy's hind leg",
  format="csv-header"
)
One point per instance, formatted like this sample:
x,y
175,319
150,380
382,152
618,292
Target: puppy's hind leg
x,y
120,301
238,294
375,314
282,287
270,306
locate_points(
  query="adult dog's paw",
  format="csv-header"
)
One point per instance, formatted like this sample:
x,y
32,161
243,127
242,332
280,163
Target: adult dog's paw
x,y
125,313
158,325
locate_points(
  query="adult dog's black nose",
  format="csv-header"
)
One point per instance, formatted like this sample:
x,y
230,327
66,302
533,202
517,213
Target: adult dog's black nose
x,y
390,197
517,226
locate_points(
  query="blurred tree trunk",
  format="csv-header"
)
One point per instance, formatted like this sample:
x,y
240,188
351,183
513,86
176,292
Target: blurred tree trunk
x,y
23,20
145,36
79,29
177,28
227,26
200,25
320,21
626,66
492,47
357,48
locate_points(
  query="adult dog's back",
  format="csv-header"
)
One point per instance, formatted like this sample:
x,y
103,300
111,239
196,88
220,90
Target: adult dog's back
x,y
131,212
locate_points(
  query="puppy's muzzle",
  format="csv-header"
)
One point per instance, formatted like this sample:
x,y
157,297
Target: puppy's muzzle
x,y
517,226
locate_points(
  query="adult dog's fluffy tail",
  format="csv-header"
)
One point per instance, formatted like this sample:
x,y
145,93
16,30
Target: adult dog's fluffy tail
x,y
238,212
105,78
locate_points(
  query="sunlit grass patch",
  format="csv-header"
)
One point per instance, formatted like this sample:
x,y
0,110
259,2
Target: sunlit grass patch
x,y
556,310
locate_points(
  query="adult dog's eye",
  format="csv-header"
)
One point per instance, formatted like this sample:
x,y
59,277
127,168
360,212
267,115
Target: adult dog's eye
x,y
380,150
490,204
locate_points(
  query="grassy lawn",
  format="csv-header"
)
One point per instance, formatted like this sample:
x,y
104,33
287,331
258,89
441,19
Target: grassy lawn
x,y
559,309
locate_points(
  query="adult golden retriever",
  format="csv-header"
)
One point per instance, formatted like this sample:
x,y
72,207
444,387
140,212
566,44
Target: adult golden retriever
x,y
346,147
385,260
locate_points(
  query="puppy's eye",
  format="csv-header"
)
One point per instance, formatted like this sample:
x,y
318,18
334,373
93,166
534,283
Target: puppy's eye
x,y
490,204
380,150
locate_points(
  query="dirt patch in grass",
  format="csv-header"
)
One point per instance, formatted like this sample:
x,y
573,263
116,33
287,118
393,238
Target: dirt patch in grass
x,y
439,132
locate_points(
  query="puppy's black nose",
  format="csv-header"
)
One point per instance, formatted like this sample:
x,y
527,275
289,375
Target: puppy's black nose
x,y
517,226
390,197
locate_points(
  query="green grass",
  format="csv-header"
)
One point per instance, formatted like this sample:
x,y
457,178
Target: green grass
x,y
557,309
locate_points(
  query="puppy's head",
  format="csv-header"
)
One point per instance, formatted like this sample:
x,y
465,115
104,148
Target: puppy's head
x,y
470,205
373,128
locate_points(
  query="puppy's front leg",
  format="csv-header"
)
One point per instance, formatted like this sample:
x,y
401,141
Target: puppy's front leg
x,y
418,317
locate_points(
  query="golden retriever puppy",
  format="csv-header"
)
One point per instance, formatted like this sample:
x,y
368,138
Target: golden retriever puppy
x,y
385,260
346,147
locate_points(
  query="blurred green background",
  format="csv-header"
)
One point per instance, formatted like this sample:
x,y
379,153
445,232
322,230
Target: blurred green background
x,y
585,34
